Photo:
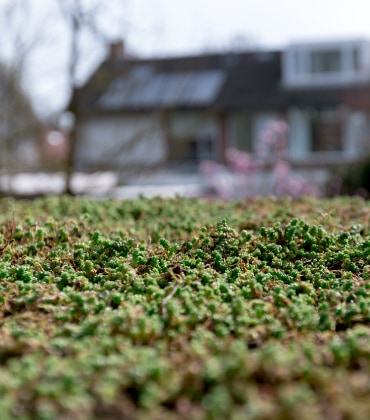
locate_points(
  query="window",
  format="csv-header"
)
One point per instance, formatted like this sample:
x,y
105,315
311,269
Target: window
x,y
193,137
328,61
325,64
326,132
240,132
298,62
193,149
356,59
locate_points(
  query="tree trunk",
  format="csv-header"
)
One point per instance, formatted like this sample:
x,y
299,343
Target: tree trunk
x,y
70,163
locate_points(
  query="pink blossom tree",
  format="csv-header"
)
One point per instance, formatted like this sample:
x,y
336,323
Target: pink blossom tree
x,y
245,173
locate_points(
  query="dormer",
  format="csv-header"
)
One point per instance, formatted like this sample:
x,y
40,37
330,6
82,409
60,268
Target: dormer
x,y
326,64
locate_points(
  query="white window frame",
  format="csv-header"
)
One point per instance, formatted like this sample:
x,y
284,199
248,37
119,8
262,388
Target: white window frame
x,y
298,56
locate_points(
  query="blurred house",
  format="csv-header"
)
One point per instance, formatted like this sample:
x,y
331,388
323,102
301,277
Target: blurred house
x,y
182,110
19,126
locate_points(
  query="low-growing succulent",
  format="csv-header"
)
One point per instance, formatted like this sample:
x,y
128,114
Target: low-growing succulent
x,y
184,308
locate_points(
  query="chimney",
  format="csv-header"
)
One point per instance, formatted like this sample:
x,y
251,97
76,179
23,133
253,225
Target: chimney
x,y
116,50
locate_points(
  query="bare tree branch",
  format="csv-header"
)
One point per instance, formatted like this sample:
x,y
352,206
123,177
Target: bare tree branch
x,y
80,19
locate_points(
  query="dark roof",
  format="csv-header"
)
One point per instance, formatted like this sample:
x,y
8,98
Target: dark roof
x,y
253,81
144,88
222,81
356,96
234,80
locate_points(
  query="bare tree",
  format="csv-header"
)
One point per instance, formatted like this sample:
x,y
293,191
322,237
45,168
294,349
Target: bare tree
x,y
32,40
19,125
85,20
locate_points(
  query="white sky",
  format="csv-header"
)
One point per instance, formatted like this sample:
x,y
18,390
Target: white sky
x,y
180,26
175,27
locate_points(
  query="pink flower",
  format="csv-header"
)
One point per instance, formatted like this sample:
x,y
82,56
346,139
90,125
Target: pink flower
x,y
243,173
208,167
240,162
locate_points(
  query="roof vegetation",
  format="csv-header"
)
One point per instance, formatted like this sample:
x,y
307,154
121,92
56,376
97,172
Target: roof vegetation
x,y
184,308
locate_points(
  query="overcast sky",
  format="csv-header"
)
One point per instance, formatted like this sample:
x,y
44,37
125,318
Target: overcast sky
x,y
175,27
179,26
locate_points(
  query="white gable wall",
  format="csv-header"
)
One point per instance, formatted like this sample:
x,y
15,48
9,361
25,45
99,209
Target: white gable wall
x,y
117,141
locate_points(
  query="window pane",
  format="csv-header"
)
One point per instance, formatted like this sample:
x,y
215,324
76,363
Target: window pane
x,y
240,132
326,132
325,61
356,58
298,63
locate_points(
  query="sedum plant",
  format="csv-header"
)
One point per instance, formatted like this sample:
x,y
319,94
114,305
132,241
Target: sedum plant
x,y
184,308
